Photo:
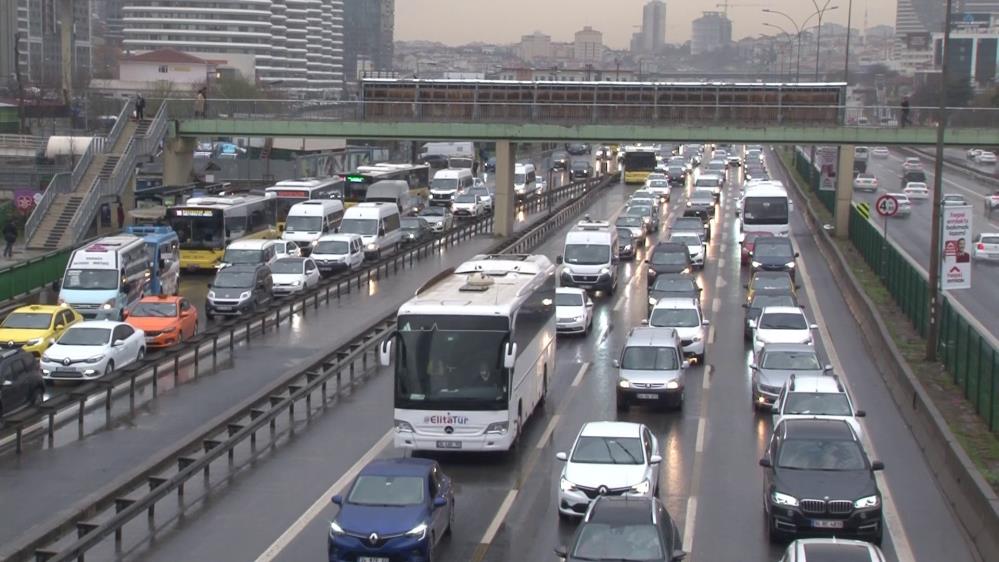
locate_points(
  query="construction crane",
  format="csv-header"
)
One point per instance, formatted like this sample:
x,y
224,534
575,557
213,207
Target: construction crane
x,y
726,5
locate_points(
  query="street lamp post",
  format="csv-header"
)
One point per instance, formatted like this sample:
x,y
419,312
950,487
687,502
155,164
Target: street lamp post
x,y
818,32
849,23
800,30
790,45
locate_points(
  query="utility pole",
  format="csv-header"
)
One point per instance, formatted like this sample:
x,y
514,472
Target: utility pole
x,y
933,332
846,63
66,21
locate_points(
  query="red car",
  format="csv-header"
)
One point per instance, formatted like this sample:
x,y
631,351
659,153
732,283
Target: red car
x,y
748,241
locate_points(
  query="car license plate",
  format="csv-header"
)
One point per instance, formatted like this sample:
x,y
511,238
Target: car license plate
x,y
827,524
372,559
223,307
648,396
449,444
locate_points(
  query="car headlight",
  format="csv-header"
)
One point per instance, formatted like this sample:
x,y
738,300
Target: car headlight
x,y
673,385
627,247
642,487
695,338
604,270
244,295
47,358
335,528
689,204
418,532
107,305
869,501
296,283
94,359
498,428
653,301
652,272
624,384
757,264
315,242
579,318
372,246
565,485
35,341
784,499
211,294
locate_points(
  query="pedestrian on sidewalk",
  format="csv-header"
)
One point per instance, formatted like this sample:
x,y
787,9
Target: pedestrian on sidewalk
x,y
140,107
9,236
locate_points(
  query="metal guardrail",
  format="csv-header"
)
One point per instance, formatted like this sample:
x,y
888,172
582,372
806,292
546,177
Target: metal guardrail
x,y
345,367
124,116
22,141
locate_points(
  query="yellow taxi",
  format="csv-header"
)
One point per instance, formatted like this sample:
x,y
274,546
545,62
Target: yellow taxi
x,y
35,326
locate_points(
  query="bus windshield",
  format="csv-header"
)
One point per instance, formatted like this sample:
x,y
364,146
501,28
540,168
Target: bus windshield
x,y
435,370
198,229
284,204
765,210
640,161
91,279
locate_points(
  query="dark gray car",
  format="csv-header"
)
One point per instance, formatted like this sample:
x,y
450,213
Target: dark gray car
x,y
774,253
239,289
776,363
693,224
21,382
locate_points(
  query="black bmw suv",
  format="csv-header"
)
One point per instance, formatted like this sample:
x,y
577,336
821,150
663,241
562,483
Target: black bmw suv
x,y
819,481
619,528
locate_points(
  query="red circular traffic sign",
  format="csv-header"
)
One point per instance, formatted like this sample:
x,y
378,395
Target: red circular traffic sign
x,y
886,206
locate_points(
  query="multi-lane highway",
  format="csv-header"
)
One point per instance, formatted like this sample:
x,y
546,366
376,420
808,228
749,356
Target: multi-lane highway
x,y
912,233
276,505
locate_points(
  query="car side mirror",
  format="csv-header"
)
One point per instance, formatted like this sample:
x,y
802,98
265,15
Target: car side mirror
x,y
746,306
118,343
655,459
59,326
562,456
337,499
860,414
827,368
440,501
210,285
589,303
775,409
877,465
814,326
510,355
754,367
559,260
797,255
685,364
765,463
616,363
706,323
678,555
562,552
124,314
385,353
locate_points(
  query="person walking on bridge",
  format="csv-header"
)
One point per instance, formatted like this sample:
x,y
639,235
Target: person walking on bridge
x,y
9,236
905,111
199,103
140,107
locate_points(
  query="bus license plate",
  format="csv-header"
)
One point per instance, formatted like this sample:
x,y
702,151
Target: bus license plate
x,y
827,524
372,559
449,444
648,396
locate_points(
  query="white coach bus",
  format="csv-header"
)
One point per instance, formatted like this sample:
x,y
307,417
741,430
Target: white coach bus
x,y
474,353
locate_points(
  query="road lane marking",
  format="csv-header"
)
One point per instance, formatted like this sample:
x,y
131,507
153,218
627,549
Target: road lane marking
x,y
706,383
688,526
716,305
621,301
549,429
494,525
711,335
699,443
899,537
320,504
579,375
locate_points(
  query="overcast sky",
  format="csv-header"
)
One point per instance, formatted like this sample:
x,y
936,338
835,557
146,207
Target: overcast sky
x,y
456,22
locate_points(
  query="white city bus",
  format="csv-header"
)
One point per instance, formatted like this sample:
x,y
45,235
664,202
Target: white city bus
x,y
766,208
288,193
474,354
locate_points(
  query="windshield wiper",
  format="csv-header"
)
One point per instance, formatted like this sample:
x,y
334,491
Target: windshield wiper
x,y
626,451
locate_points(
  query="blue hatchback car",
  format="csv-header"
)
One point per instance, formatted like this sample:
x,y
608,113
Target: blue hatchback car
x,y
396,510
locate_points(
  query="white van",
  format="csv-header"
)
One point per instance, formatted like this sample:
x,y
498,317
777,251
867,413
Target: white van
x,y
590,257
309,220
398,192
106,277
338,252
378,224
249,252
525,180
447,183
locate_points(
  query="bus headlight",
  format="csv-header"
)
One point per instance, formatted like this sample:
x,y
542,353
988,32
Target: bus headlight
x,y
403,426
497,428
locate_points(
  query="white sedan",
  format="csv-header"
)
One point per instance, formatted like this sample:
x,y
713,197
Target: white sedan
x,y
987,246
904,205
986,157
573,311
880,152
294,275
782,324
467,205
440,218
912,164
916,190
865,182
92,349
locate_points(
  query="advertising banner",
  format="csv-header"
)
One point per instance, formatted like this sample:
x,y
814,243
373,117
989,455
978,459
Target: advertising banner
x,y
955,265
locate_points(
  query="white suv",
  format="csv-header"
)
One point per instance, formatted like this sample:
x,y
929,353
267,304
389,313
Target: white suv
x,y
683,315
608,459
816,396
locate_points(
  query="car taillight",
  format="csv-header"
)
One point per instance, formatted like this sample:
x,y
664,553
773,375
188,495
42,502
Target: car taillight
x,y
981,246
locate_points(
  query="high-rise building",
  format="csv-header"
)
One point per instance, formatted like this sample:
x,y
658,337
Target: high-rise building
x,y
8,37
710,32
917,20
588,45
535,46
291,44
654,26
40,42
369,30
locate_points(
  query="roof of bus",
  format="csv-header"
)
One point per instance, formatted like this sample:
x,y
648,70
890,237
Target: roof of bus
x,y
765,190
153,234
220,202
305,183
486,285
111,243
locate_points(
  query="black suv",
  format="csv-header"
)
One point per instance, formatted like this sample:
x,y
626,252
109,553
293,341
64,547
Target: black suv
x,y
774,253
625,528
701,203
21,382
560,160
239,289
669,257
817,480
580,169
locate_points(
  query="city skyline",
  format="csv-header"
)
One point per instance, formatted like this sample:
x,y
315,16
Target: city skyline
x,y
429,19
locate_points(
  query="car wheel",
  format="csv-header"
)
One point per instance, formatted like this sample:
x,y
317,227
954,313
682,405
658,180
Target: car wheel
x,y
37,395
141,355
450,522
701,358
109,368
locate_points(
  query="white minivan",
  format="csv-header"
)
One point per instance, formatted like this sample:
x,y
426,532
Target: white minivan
x,y
338,252
525,180
378,224
590,258
309,220
448,183
255,251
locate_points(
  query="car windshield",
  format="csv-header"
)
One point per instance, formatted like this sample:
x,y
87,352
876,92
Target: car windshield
x,y
432,212
154,310
479,192
817,454
233,257
335,247
770,282
579,165
85,336
674,318
669,257
587,254
629,221
658,183
702,198
387,490
91,279
990,240
466,198
673,284
233,280
608,450
444,183
288,265
865,177
691,223
303,224
650,359
27,321
775,250
568,299
688,240
604,541
817,404
624,236
706,182
791,360
762,301
783,321
639,211
364,227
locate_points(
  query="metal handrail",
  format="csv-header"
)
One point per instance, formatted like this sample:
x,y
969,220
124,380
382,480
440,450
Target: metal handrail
x,y
60,183
124,116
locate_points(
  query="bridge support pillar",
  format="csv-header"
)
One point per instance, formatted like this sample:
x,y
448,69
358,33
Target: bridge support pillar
x,y
844,191
178,160
506,200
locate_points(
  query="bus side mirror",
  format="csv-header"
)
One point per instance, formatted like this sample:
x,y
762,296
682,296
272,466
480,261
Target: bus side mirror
x,y
385,353
510,355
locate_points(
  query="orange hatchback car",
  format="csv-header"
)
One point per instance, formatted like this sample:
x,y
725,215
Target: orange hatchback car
x,y
166,320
